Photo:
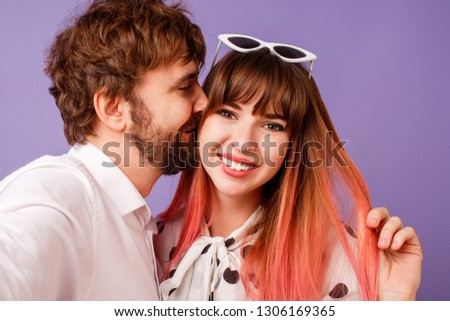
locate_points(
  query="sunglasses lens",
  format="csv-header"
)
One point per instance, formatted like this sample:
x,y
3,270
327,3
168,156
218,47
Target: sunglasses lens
x,y
244,43
288,52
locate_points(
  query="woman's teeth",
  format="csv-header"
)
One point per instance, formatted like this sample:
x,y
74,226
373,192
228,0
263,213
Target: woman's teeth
x,y
236,166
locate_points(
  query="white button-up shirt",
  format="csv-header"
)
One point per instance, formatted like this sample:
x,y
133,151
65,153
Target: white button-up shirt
x,y
74,229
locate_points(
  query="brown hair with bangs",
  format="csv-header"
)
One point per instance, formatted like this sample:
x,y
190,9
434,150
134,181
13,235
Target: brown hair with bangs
x,y
110,46
258,73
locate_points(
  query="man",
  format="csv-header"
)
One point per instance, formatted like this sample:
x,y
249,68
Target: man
x,y
76,227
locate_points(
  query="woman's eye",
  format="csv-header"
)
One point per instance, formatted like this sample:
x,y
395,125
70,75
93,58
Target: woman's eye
x,y
226,113
274,127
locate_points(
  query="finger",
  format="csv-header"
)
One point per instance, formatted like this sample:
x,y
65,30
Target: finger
x,y
404,236
390,228
376,216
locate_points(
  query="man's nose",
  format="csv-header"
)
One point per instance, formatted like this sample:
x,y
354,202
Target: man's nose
x,y
200,102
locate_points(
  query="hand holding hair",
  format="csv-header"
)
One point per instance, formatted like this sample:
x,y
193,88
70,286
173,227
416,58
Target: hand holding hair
x,y
400,256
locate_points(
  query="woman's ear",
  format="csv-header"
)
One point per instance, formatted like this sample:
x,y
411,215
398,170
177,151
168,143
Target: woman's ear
x,y
112,112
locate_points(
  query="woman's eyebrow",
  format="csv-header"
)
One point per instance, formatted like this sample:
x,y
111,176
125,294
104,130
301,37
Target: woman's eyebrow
x,y
274,116
234,105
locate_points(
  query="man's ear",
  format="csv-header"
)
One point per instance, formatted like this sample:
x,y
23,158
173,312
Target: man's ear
x,y
112,112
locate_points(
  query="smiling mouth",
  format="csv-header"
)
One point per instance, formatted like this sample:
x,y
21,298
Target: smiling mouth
x,y
239,166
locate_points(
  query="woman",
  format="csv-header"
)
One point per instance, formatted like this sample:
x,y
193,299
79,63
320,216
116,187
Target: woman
x,y
276,210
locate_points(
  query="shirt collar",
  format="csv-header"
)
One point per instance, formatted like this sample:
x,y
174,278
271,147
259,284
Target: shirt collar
x,y
120,190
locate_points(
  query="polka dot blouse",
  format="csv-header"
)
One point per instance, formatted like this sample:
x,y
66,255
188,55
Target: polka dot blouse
x,y
210,268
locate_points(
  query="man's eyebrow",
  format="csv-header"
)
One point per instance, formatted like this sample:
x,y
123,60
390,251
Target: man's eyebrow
x,y
186,77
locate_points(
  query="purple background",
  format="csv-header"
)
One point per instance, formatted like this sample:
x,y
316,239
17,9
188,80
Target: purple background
x,y
383,70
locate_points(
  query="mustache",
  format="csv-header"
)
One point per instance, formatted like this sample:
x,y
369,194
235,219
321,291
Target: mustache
x,y
192,123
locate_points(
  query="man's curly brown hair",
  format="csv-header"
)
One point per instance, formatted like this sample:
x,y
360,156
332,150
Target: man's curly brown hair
x,y
111,46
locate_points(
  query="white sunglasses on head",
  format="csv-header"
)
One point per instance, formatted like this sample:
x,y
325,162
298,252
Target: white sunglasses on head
x,y
285,52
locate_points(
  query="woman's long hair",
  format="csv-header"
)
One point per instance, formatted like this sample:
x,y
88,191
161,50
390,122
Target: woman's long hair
x,y
318,192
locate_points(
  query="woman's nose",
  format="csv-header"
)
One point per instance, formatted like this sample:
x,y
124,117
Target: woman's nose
x,y
245,139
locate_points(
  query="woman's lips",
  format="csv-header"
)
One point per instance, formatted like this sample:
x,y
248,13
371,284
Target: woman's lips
x,y
236,166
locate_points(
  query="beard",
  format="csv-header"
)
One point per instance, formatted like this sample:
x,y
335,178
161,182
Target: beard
x,y
161,148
